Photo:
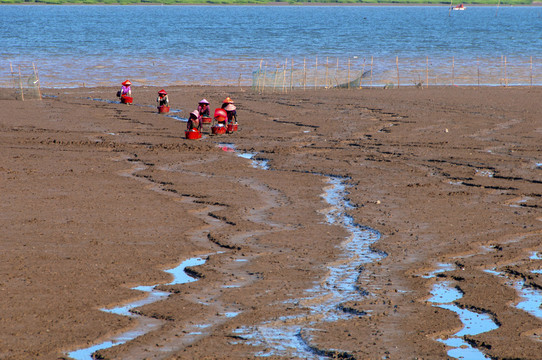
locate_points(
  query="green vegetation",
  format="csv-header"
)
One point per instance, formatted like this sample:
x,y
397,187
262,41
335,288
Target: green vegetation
x,y
241,2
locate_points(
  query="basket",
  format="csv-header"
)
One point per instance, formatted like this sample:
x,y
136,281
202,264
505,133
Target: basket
x,y
126,99
163,109
206,119
192,134
232,127
218,129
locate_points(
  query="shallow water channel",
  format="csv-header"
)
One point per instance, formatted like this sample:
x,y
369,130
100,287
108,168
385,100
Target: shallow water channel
x,y
145,325
291,335
531,297
444,295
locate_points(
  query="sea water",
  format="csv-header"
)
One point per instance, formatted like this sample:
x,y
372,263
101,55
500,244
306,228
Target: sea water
x,y
82,45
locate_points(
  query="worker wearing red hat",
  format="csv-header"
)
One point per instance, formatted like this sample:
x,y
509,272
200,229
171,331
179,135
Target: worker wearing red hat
x,y
126,89
162,98
226,102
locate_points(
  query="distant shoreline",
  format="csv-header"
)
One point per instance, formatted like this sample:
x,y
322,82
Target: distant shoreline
x,y
285,4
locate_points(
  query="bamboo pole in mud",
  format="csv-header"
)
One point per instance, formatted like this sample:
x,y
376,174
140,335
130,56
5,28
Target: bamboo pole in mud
x,y
371,71
327,69
397,65
427,71
21,84
12,73
348,76
502,70
284,74
362,72
316,73
260,76
478,66
337,73
264,76
505,73
453,70
37,79
291,73
531,71
275,79
304,75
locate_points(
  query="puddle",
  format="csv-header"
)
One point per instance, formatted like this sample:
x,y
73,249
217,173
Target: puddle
x,y
484,173
531,297
518,203
256,163
145,324
231,314
103,100
444,295
536,256
440,269
179,118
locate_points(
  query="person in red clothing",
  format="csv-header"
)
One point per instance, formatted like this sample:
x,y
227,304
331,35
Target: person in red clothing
x,y
221,117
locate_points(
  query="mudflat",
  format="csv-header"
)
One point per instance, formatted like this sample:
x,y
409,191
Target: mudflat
x,y
100,197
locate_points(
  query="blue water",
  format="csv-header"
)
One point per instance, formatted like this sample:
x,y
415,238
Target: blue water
x,y
164,45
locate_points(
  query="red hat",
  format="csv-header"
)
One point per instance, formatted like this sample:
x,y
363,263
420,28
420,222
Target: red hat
x,y
220,113
162,92
227,101
127,83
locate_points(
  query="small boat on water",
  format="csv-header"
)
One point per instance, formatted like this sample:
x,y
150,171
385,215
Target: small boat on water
x,y
459,7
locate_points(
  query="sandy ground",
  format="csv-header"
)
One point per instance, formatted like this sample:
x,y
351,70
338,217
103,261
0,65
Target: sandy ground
x,y
98,197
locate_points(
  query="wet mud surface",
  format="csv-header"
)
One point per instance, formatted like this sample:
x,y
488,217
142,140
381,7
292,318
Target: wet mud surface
x,y
444,186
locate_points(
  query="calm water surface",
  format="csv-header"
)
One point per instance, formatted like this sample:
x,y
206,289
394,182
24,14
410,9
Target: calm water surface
x,y
165,45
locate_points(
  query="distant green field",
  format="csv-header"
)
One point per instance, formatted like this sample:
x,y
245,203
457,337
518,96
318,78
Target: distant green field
x,y
292,2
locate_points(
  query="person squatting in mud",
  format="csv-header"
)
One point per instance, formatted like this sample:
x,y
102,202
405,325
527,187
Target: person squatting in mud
x,y
203,108
125,90
231,110
162,98
194,122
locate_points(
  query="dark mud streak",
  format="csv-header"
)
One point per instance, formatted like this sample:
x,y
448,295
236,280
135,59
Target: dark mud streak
x,y
221,244
223,218
296,123
351,310
323,352
490,187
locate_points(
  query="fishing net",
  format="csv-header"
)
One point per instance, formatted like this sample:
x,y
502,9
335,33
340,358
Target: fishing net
x,y
25,82
394,72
